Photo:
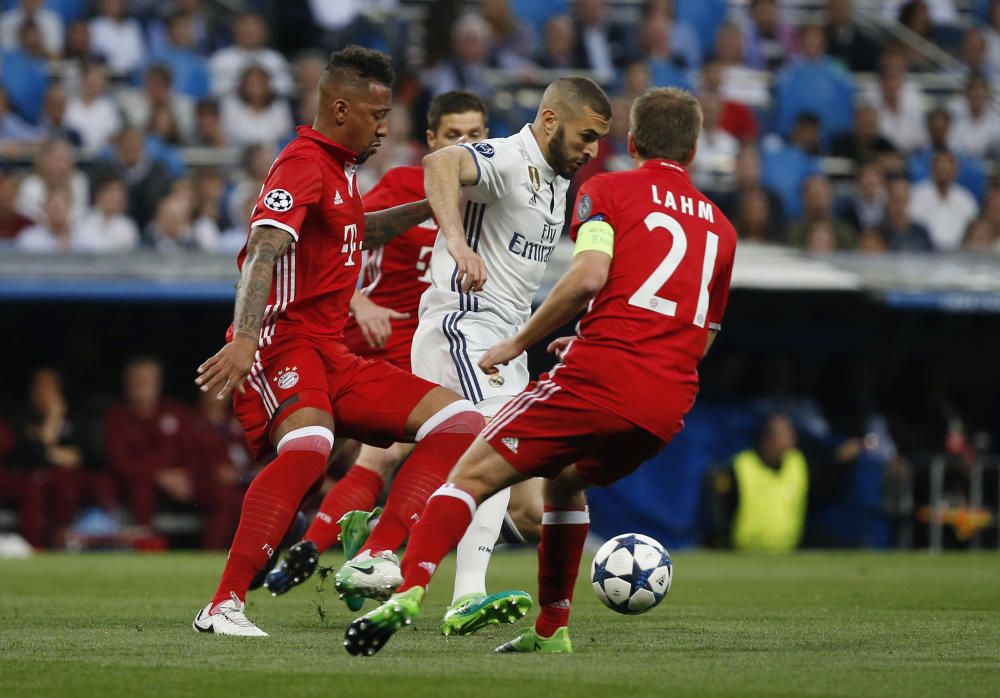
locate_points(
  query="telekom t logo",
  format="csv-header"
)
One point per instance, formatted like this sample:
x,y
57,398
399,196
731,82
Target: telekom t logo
x,y
350,243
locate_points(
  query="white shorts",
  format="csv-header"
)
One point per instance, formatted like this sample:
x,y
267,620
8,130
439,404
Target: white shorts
x,y
446,350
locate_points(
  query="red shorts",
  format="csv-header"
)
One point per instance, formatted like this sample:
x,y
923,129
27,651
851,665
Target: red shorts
x,y
369,400
396,351
547,428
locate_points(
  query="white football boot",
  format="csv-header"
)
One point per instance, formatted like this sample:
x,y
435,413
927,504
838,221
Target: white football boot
x,y
228,619
373,577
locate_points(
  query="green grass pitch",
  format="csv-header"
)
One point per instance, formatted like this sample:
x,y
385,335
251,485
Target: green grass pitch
x,y
813,624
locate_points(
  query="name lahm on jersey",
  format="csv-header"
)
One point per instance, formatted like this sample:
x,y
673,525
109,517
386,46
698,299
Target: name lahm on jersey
x,y
687,204
535,251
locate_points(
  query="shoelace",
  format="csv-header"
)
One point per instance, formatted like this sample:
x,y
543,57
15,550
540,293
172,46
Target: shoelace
x,y
235,615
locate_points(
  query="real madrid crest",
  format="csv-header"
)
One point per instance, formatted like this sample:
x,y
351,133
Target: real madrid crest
x,y
536,179
496,380
287,377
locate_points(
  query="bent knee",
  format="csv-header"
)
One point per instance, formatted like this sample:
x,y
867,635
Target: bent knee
x,y
459,417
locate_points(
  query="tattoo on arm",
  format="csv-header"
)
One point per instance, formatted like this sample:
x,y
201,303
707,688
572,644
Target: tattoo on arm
x,y
266,245
383,226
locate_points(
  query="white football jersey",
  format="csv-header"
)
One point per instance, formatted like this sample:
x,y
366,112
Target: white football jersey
x,y
513,217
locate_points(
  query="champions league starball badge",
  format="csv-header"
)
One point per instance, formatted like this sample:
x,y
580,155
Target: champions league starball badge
x,y
278,200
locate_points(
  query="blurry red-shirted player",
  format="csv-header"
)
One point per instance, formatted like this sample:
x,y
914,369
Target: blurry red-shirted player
x,y
293,378
383,320
652,267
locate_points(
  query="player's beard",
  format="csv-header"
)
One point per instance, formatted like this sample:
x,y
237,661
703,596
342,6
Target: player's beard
x,y
560,160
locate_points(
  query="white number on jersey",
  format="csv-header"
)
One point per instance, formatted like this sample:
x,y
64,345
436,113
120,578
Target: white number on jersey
x,y
350,244
645,296
424,263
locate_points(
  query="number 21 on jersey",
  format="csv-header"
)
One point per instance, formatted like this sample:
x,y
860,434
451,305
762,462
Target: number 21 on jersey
x,y
645,296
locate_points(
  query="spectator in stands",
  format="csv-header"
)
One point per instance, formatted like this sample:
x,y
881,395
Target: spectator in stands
x,y
51,454
818,237
208,130
12,222
232,238
974,53
786,166
864,206
173,228
844,41
736,119
656,49
602,45
900,104
748,177
145,439
864,142
57,232
147,179
942,205
871,241
636,81
255,114
684,41
900,232
255,162
463,68
768,43
971,173
558,43
55,168
106,228
53,121
353,21
79,47
975,120
814,83
817,198
716,152
158,93
755,219
306,72
48,23
25,73
189,67
992,33
991,210
229,65
739,83
118,37
510,38
94,114
915,16
14,131
979,237
205,36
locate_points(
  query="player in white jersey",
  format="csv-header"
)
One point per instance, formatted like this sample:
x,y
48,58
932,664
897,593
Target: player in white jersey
x,y
500,206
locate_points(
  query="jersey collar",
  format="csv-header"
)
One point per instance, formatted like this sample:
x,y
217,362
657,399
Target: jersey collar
x,y
535,154
336,149
664,164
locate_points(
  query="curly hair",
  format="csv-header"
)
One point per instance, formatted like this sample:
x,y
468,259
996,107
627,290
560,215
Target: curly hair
x,y
362,64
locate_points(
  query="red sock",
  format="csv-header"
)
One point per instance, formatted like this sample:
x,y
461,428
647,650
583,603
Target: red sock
x,y
268,508
438,532
563,536
357,490
423,472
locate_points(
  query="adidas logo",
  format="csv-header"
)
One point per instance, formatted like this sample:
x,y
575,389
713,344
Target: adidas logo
x,y
429,566
337,199
510,442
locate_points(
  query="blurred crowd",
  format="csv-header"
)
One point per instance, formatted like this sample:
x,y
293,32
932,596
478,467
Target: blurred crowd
x,y
128,124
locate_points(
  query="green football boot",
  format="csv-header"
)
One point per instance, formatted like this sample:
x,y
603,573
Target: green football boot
x,y
355,527
473,611
530,641
369,633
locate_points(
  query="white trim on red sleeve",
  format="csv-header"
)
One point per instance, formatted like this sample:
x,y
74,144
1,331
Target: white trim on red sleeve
x,y
277,224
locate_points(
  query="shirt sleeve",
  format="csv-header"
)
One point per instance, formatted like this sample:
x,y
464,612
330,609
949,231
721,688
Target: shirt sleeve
x,y
498,166
719,295
292,186
591,205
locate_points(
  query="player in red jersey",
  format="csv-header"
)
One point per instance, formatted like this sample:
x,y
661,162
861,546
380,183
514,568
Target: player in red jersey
x,y
383,320
285,359
652,267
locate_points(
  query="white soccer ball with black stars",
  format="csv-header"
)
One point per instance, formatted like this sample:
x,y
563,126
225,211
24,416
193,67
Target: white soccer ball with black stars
x,y
278,200
631,573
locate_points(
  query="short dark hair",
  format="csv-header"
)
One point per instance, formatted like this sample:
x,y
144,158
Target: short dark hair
x,y
454,102
665,123
358,63
583,92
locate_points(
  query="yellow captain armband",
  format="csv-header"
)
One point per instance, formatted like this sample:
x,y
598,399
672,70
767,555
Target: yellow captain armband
x,y
598,236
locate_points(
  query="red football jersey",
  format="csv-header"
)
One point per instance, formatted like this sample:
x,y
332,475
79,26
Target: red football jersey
x,y
311,193
397,273
641,340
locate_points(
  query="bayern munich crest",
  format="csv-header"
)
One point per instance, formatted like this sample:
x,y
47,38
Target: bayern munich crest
x,y
287,377
583,208
278,200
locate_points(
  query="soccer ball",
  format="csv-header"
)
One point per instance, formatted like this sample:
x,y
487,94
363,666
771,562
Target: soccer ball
x,y
631,573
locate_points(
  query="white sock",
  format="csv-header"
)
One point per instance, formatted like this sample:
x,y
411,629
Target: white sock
x,y
476,547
